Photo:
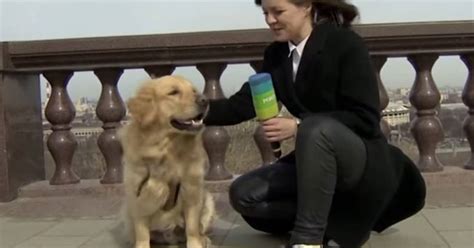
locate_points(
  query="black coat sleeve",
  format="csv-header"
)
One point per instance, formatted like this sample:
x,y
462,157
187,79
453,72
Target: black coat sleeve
x,y
239,107
357,94
231,111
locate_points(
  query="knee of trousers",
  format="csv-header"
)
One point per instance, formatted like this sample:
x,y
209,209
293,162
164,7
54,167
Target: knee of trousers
x,y
239,195
316,129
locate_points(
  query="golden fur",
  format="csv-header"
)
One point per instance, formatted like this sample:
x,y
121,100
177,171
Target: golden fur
x,y
162,148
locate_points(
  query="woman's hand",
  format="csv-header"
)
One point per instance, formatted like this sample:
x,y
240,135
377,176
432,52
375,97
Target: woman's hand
x,y
279,128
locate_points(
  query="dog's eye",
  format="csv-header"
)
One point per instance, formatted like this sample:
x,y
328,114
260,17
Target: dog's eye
x,y
173,92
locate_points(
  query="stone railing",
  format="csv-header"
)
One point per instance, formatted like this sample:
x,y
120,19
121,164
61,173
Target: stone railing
x,y
22,63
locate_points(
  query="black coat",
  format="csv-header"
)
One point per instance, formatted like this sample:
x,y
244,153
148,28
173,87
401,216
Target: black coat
x,y
335,78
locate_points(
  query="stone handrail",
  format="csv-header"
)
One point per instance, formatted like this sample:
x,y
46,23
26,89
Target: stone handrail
x,y
240,46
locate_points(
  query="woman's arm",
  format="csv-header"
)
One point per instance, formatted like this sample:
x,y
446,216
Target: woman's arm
x,y
239,107
236,109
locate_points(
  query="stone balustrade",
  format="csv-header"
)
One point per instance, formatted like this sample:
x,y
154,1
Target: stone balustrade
x,y
22,64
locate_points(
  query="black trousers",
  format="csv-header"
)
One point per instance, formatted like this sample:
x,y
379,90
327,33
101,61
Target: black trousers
x,y
296,194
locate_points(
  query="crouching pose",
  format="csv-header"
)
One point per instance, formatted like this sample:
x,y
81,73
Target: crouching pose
x,y
343,179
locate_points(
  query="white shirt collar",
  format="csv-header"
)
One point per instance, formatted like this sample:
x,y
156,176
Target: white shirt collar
x,y
299,48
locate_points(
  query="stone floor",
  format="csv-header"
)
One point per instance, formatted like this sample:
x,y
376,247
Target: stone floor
x,y
432,227
89,219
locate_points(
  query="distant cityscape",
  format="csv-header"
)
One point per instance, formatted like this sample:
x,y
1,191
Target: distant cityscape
x,y
453,150
399,111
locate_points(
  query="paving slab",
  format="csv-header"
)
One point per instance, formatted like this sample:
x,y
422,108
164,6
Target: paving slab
x,y
415,232
451,219
459,239
53,242
14,232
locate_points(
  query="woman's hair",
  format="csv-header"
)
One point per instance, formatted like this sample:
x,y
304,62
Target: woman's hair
x,y
337,11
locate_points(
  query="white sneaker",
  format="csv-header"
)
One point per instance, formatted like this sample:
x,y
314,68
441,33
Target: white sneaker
x,y
332,244
306,246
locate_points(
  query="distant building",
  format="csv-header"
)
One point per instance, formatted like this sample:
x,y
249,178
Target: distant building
x,y
84,105
85,123
396,113
403,91
81,131
453,106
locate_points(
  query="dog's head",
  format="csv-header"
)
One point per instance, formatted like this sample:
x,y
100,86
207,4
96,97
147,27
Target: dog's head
x,y
169,102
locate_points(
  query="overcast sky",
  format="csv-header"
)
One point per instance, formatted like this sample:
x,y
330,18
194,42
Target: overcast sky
x,y
53,19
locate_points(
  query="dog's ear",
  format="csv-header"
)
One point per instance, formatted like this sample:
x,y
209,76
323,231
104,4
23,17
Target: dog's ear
x,y
142,107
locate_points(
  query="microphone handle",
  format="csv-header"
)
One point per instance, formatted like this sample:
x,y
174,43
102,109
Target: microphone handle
x,y
276,149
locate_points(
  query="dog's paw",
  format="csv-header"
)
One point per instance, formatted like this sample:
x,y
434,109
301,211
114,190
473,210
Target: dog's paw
x,y
142,244
198,242
207,242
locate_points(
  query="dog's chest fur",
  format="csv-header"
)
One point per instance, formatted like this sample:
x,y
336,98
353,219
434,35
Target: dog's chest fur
x,y
187,150
179,166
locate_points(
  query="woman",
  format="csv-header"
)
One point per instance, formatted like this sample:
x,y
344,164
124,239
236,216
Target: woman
x,y
343,179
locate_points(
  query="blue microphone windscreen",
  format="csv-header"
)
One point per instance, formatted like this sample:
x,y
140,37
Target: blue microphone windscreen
x,y
263,96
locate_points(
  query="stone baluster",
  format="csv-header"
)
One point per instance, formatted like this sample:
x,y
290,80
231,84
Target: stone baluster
x,y
216,139
263,145
425,97
60,112
110,110
378,62
159,70
468,99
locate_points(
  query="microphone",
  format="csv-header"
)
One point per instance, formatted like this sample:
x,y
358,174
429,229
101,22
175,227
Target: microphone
x,y
265,102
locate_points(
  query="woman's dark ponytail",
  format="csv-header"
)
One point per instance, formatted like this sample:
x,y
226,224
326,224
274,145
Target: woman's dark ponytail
x,y
337,11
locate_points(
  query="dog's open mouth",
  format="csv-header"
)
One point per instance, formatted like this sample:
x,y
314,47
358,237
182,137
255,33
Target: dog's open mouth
x,y
193,124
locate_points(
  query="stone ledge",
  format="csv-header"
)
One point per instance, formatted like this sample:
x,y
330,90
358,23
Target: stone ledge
x,y
83,188
454,186
94,187
450,176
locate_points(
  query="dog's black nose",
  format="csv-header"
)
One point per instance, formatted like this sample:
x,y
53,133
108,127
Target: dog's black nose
x,y
202,100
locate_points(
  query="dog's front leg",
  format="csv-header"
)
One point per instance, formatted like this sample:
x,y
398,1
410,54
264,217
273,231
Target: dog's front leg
x,y
142,232
192,195
152,196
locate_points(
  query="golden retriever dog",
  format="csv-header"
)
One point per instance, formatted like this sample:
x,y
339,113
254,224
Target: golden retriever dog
x,y
164,162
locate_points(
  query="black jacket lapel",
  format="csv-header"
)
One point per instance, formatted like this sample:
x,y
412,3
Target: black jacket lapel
x,y
311,57
284,80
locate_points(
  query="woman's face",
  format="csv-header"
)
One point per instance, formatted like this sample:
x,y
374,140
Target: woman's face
x,y
287,21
